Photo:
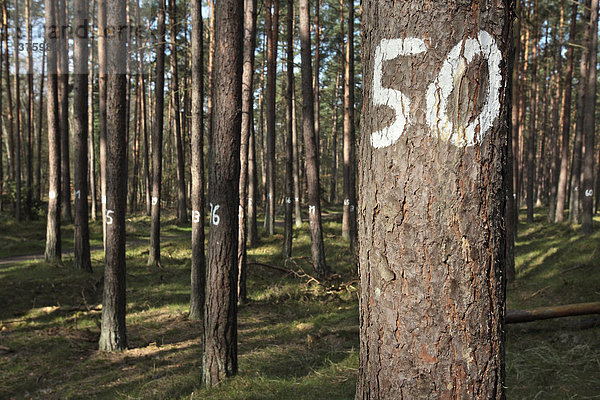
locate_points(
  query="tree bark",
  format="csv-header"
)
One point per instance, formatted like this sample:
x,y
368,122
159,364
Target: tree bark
x,y
113,335
18,124
289,162
53,244
565,122
102,108
30,113
532,134
3,32
220,313
198,271
431,177
249,45
181,194
39,130
9,98
63,104
349,216
157,140
334,127
80,136
589,125
316,83
312,159
272,26
91,138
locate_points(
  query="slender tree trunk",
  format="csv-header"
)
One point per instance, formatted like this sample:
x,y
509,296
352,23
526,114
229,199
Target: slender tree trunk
x,y
220,314
157,140
18,133
181,188
431,255
102,108
9,98
577,147
198,272
349,217
144,108
39,129
63,104
297,153
316,84
312,159
532,138
113,335
289,163
522,115
272,26
80,136
53,244
253,237
30,113
589,120
333,182
250,15
1,127
565,123
91,136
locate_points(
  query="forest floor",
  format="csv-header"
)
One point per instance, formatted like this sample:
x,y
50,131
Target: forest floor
x,y
297,339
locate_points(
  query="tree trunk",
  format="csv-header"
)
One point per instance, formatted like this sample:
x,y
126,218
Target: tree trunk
x,y
334,126
220,313
157,140
181,195
39,130
316,84
565,123
532,134
80,137
30,113
91,139
312,159
577,147
102,108
63,104
432,200
3,32
18,125
53,244
198,272
296,154
589,124
113,335
289,162
249,45
9,98
272,26
252,189
349,217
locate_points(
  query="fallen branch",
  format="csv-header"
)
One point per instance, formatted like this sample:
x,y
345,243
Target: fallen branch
x,y
301,274
569,310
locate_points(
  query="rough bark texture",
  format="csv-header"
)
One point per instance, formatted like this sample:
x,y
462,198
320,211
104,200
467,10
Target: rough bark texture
x,y
102,108
252,189
247,116
53,249
310,145
198,271
112,332
63,105
272,26
18,125
220,313
157,139
80,138
296,152
30,111
589,120
289,145
561,194
431,210
533,120
349,216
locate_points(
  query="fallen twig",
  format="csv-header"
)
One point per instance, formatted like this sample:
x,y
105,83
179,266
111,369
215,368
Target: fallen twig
x,y
569,310
298,274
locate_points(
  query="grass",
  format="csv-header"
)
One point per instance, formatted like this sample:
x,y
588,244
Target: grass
x,y
296,340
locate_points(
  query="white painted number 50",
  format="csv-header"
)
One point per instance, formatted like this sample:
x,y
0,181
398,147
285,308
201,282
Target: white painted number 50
x,y
453,68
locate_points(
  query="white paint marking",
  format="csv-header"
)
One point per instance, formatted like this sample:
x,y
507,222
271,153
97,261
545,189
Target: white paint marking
x,y
214,218
352,208
288,200
52,195
154,201
589,193
109,219
452,71
249,200
312,210
78,194
195,216
346,202
103,199
389,49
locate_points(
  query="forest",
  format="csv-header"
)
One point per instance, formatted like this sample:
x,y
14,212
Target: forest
x,y
279,199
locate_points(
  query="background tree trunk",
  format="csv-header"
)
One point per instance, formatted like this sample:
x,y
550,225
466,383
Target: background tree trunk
x,y
53,244
30,112
220,313
157,140
198,273
113,335
312,159
432,200
247,116
102,108
532,138
289,162
63,104
80,137
589,120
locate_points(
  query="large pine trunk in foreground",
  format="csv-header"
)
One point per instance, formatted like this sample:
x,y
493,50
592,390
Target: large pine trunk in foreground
x,y
220,313
112,332
431,165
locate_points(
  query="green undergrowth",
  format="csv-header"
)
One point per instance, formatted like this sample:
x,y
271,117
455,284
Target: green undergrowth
x,y
298,339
